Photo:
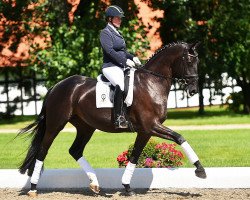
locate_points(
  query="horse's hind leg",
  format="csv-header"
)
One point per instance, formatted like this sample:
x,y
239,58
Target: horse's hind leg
x,y
84,133
163,132
52,130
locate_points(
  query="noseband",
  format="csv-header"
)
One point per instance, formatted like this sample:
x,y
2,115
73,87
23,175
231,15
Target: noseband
x,y
184,77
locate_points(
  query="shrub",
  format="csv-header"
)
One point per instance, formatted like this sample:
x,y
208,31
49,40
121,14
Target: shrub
x,y
236,102
154,155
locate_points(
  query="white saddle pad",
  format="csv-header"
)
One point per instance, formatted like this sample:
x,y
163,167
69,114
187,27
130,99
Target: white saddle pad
x,y
103,92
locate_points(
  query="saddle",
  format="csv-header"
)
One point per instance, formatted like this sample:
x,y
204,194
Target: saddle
x,y
105,90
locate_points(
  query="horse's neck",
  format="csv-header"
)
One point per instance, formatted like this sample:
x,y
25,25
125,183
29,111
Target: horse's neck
x,y
156,89
160,65
163,61
159,73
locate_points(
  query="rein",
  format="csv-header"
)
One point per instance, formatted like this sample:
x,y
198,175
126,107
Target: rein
x,y
180,80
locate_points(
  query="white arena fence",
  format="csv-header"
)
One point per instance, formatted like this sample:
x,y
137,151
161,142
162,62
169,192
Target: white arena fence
x,y
26,93
225,177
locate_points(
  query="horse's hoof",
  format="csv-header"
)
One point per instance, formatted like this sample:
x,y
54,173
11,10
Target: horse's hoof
x,y
128,191
32,193
95,188
200,172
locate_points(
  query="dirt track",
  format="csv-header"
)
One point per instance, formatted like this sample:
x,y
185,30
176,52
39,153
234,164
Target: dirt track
x,y
161,194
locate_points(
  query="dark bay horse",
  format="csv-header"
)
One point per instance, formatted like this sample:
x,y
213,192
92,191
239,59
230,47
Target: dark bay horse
x,y
74,100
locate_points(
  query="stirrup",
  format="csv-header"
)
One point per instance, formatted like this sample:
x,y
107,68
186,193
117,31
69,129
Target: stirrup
x,y
121,122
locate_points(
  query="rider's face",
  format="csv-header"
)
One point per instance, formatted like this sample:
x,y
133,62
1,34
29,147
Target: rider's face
x,y
117,21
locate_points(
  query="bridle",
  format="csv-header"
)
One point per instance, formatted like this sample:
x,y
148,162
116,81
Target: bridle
x,y
184,77
186,58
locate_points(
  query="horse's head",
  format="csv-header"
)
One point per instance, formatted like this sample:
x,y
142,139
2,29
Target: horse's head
x,y
185,68
179,58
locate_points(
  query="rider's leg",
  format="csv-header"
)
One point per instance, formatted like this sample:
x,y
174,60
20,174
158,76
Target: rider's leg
x,y
119,116
116,76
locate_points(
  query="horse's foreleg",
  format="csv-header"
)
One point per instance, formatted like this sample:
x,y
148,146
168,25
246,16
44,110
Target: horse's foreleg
x,y
163,132
140,142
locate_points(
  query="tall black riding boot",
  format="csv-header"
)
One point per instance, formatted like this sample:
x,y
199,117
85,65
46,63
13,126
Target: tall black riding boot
x,y
119,117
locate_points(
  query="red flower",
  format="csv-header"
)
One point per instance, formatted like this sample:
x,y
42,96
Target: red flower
x,y
163,155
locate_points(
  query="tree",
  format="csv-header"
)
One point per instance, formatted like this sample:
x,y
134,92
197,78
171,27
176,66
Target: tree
x,y
15,19
186,20
230,27
223,29
75,48
71,48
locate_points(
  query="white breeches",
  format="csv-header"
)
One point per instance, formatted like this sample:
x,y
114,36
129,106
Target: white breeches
x,y
115,75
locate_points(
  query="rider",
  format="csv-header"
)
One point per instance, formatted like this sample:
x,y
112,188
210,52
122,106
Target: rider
x,y
116,59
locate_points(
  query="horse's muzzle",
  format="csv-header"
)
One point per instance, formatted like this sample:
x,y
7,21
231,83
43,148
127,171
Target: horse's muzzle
x,y
192,89
192,93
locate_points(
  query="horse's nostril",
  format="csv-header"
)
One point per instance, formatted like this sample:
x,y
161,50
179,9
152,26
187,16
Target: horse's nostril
x,y
193,92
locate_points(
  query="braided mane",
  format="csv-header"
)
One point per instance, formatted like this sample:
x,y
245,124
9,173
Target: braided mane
x,y
163,48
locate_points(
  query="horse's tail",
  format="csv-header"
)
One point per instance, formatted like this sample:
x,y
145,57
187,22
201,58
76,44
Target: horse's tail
x,y
37,131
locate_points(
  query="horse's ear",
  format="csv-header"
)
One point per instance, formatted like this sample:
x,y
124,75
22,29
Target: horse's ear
x,y
195,45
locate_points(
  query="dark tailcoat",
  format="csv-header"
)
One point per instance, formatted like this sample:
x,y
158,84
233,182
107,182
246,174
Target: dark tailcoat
x,y
114,48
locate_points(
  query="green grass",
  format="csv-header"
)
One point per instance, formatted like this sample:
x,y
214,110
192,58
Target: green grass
x,y
220,148
213,115
215,148
16,122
